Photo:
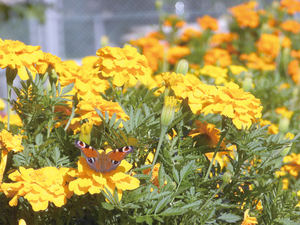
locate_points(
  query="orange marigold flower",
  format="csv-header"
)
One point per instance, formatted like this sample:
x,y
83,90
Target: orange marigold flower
x,y
268,44
174,21
286,42
256,62
190,33
154,177
17,55
218,39
177,52
248,220
294,71
48,60
292,6
218,57
39,187
208,22
245,15
152,49
293,166
89,180
284,112
124,65
295,53
291,26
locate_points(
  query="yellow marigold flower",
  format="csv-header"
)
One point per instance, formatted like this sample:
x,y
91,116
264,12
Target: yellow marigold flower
x,y
232,102
86,85
256,62
39,187
268,44
88,61
152,50
291,26
85,133
218,73
284,86
177,52
125,65
272,129
14,120
298,194
294,71
48,60
292,6
293,166
236,70
248,220
17,55
89,180
86,110
8,142
208,22
285,182
218,57
189,33
22,222
2,104
284,112
245,15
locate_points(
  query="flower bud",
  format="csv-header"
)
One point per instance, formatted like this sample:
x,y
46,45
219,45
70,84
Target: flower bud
x,y
168,111
104,41
85,134
11,74
158,4
284,124
227,177
182,66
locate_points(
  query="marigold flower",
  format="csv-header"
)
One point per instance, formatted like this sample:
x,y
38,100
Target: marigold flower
x,y
256,62
284,112
218,73
174,21
125,65
39,187
248,220
85,132
292,6
17,55
218,39
177,52
245,15
236,70
291,26
86,110
268,44
22,222
86,85
208,22
293,166
218,57
189,33
89,180
294,71
272,129
48,60
8,142
14,119
152,50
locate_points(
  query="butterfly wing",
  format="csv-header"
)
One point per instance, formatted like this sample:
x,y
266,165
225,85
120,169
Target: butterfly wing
x,y
102,162
115,157
92,156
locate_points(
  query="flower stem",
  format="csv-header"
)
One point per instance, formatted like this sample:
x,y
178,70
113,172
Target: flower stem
x,y
8,105
212,196
71,117
215,153
161,138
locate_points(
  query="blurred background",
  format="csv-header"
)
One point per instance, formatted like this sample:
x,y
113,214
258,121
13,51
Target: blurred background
x,y
72,29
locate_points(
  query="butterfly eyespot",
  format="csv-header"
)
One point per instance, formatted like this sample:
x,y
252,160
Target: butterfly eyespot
x,y
90,160
114,162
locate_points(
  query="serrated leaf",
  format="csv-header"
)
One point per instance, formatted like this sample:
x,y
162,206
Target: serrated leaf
x,y
230,218
67,89
107,206
161,204
187,169
159,219
139,219
161,175
175,175
148,220
172,212
112,120
39,139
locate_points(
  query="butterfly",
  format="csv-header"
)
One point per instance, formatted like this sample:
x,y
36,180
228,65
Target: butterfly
x,y
103,162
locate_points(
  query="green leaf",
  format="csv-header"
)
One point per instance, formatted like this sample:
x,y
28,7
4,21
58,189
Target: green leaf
x,y
139,219
161,204
230,218
148,220
39,139
107,206
161,176
187,169
172,212
175,175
